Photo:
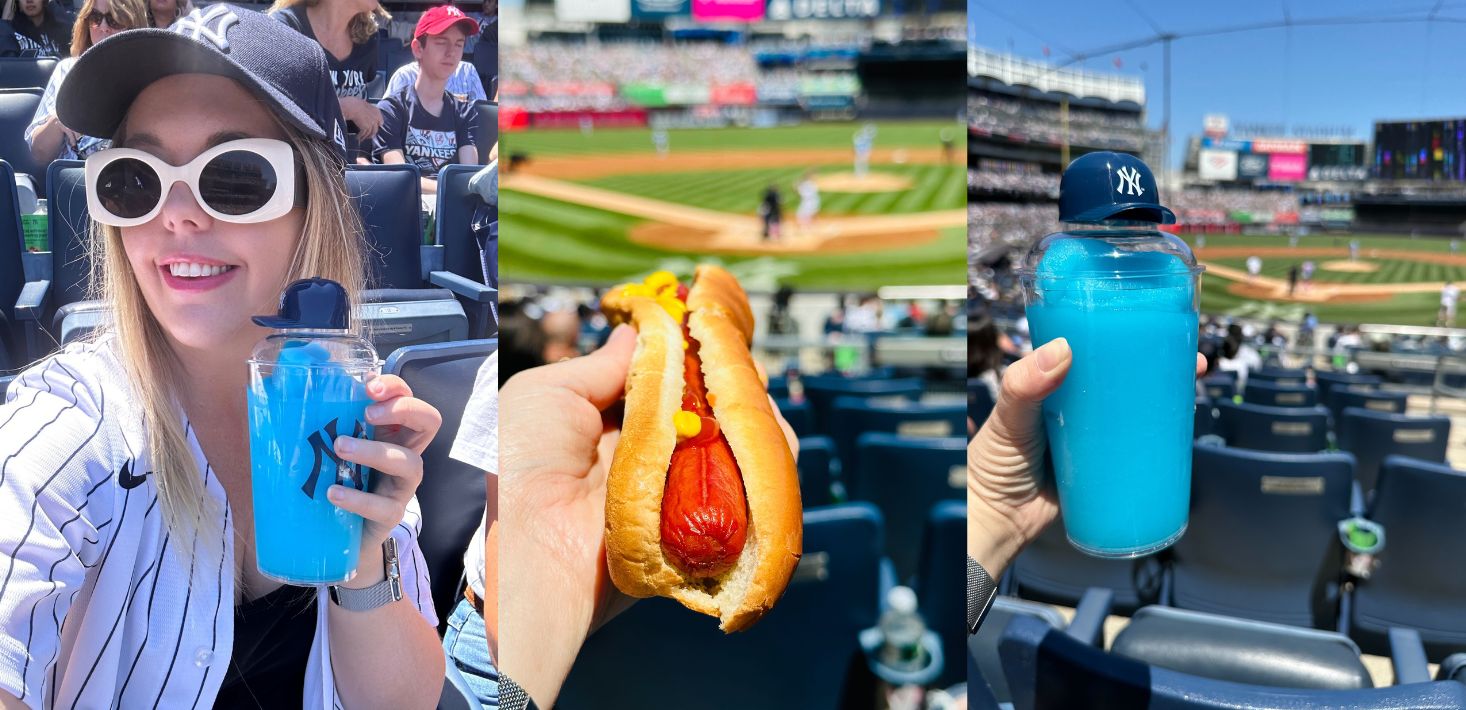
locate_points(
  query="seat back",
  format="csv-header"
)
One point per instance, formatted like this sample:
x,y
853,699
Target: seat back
x,y
1371,399
816,476
799,656
1262,542
854,416
17,108
488,128
454,223
1050,570
389,200
1045,668
941,583
1281,429
67,224
395,318
1371,436
1275,395
979,401
1418,583
1279,376
799,415
905,477
821,393
26,72
1205,420
1326,381
1219,388
982,648
452,495
12,273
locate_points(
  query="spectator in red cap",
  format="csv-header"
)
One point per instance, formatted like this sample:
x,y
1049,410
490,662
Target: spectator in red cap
x,y
424,124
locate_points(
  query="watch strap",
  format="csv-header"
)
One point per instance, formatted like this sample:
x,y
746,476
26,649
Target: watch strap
x,y
513,697
378,595
980,593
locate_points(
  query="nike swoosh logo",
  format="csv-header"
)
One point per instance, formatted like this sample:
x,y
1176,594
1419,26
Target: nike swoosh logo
x,y
129,481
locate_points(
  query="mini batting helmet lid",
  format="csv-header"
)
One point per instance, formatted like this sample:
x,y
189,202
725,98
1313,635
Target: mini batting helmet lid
x,y
310,304
1103,186
271,60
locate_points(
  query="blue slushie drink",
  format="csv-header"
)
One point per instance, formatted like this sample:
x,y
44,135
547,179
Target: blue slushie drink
x,y
1124,296
307,387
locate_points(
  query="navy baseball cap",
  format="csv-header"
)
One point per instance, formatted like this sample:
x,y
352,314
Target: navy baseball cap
x,y
310,304
271,60
1105,186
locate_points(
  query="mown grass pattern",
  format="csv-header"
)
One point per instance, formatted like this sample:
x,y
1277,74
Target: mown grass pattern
x,y
889,134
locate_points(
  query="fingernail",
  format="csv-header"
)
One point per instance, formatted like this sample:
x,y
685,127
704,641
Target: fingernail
x,y
375,411
334,492
375,386
345,444
1052,355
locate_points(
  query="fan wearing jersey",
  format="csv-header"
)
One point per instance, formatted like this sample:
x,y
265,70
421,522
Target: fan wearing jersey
x,y
424,124
127,540
347,31
42,28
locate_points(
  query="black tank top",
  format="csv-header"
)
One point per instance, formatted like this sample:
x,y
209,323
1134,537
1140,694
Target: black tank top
x,y
272,643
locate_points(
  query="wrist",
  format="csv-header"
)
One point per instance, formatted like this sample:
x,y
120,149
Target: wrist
x,y
993,540
369,569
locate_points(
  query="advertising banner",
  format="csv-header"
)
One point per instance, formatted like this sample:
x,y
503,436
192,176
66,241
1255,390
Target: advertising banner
x,y
738,94
659,9
727,10
1252,166
1276,145
1287,167
1342,173
1214,125
822,9
593,10
1241,146
1218,164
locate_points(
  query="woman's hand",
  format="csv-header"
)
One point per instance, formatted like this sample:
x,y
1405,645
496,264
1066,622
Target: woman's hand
x,y
363,113
405,426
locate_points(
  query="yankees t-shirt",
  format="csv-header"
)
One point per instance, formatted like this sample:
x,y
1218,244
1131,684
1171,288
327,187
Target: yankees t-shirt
x,y
52,38
349,75
100,606
427,141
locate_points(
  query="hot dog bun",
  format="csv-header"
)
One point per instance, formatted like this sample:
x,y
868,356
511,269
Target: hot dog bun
x,y
720,320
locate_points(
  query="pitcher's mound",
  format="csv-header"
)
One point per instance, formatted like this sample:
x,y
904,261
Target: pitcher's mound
x,y
1351,267
872,182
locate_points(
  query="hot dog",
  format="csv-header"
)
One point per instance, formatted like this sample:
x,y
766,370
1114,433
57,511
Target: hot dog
x,y
702,498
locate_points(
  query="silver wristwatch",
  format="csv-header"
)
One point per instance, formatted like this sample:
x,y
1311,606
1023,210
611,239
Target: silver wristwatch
x,y
380,594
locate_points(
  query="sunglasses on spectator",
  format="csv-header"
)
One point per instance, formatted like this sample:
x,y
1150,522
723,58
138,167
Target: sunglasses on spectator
x,y
95,19
242,181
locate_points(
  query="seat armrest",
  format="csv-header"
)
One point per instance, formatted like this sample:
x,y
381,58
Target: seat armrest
x,y
1407,656
1088,624
463,287
32,300
431,258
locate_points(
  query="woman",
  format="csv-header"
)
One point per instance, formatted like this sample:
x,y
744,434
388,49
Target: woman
x,y
162,13
43,29
347,30
125,508
1238,355
48,138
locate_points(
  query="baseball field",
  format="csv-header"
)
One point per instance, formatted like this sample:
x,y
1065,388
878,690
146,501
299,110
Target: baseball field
x,y
602,206
1391,279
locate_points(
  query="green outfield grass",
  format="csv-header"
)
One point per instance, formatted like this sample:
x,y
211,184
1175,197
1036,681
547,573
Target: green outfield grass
x,y
890,134
549,241
933,187
1402,309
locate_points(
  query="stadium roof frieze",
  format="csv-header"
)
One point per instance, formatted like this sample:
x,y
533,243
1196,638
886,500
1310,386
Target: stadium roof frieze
x,y
1015,71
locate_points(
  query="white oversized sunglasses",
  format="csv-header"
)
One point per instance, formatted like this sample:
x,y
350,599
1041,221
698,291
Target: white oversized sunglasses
x,y
241,181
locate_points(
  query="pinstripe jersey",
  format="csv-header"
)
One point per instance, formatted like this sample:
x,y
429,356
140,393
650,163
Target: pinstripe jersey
x,y
100,606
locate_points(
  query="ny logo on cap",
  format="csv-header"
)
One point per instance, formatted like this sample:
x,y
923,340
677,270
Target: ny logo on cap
x,y
209,25
1129,181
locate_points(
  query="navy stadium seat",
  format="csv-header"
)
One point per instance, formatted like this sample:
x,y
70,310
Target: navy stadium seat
x,y
1279,376
941,585
452,495
799,415
1453,668
26,72
1420,582
12,273
1219,388
905,477
68,271
17,108
1227,648
461,268
1281,429
778,387
1271,395
816,470
1046,668
1326,381
821,393
389,200
488,129
979,401
854,416
1262,541
1205,421
798,657
1050,570
1371,399
985,666
1371,436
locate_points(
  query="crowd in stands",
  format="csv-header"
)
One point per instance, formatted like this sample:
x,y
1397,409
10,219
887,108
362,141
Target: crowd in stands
x,y
993,182
1042,123
550,69
1202,206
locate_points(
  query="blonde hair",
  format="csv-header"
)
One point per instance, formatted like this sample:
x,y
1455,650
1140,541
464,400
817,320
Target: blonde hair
x,y
330,246
362,26
133,13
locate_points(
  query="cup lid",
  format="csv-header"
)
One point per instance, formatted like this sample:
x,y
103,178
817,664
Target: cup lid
x,y
1103,186
310,304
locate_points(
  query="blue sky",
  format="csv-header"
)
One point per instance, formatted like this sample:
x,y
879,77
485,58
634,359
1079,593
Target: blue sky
x,y
1328,75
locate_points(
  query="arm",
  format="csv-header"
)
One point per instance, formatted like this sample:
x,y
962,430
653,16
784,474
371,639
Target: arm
x,y
491,568
46,142
468,155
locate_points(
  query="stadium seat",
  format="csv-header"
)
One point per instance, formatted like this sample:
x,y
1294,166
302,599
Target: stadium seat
x,y
1420,582
1280,429
854,416
905,477
1453,668
941,585
17,108
798,657
1326,381
986,667
12,273
389,200
1279,376
1050,570
1242,651
816,470
1046,668
1371,399
1371,436
461,268
778,387
488,129
799,415
979,401
1205,421
69,273
821,393
26,72
1271,395
1219,388
452,495
1262,541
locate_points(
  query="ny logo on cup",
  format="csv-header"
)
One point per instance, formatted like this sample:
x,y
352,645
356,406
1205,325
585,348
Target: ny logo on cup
x,y
347,473
1129,181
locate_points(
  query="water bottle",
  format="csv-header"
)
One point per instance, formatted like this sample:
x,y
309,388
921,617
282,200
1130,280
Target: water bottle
x,y
901,631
